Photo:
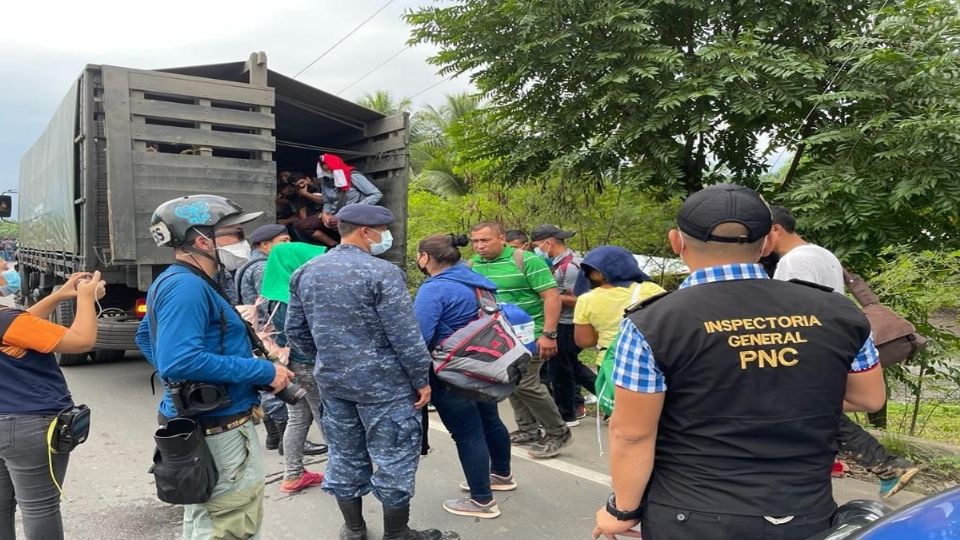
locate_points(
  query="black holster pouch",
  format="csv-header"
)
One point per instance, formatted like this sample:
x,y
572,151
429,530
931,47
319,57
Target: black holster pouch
x,y
73,428
183,466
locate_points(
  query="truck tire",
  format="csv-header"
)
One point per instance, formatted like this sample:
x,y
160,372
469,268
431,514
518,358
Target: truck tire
x,y
107,355
63,316
115,336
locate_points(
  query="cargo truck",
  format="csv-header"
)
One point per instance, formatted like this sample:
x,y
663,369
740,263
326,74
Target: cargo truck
x,y
125,140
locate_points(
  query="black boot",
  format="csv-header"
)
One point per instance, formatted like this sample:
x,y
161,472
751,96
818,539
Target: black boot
x,y
354,527
273,436
395,526
281,427
313,449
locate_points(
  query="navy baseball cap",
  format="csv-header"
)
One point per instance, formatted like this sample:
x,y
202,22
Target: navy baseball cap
x,y
550,231
265,233
725,203
367,215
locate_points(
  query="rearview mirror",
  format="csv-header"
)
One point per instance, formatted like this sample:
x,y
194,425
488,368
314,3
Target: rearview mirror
x,y
6,206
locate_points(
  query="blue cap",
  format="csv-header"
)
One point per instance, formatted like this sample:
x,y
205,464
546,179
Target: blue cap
x,y
617,265
367,215
265,233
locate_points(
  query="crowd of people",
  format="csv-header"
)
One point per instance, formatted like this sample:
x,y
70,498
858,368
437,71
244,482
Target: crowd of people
x,y
730,391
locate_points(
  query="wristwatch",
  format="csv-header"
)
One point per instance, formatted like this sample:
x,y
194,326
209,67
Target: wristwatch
x,y
550,334
620,514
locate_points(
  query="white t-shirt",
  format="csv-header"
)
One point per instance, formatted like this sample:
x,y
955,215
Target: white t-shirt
x,y
811,263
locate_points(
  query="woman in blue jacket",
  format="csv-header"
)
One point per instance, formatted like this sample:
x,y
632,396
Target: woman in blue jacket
x,y
446,302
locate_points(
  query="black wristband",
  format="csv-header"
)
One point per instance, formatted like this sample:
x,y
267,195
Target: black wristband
x,y
620,514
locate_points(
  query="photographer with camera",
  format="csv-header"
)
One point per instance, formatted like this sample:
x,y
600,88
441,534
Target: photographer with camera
x,y
203,352
33,395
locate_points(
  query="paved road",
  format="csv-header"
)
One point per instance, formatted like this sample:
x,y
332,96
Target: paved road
x,y
110,495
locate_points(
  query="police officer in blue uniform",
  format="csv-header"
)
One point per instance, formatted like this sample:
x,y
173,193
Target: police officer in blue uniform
x,y
193,334
728,389
351,310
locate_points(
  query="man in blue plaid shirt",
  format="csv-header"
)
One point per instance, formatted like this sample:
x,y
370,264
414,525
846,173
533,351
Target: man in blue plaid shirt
x,y
728,389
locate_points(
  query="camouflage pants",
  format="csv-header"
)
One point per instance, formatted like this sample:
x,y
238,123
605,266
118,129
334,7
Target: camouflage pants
x,y
361,435
235,510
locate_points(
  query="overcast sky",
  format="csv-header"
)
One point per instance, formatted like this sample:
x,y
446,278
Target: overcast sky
x,y
45,46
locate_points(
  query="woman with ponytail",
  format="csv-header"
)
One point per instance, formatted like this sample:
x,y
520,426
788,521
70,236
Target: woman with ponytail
x,y
446,302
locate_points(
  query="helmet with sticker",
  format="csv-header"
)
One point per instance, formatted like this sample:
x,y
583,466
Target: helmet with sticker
x,y
172,221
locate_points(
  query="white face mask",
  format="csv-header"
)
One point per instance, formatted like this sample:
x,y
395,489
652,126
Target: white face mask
x,y
234,255
386,241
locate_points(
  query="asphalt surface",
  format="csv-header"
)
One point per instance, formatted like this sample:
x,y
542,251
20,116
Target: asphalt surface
x,y
108,493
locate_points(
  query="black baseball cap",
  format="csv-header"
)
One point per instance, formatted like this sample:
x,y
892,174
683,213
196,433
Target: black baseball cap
x,y
725,203
550,231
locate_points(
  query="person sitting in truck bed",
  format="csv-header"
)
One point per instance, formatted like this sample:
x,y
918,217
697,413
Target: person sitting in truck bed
x,y
341,185
308,202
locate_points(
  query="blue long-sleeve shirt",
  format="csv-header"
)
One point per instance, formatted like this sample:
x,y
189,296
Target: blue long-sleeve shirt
x,y
352,312
187,343
362,191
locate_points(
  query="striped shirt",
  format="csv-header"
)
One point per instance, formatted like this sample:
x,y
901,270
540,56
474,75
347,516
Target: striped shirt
x,y
513,287
635,368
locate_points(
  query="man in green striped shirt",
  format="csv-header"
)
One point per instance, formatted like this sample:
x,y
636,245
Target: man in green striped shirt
x,y
524,279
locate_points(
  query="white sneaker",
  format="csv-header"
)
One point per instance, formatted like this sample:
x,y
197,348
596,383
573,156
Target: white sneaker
x,y
573,423
590,400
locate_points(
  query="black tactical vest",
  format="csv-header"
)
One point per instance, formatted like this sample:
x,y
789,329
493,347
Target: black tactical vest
x,y
756,372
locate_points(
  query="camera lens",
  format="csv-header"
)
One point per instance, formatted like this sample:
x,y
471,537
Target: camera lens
x,y
292,393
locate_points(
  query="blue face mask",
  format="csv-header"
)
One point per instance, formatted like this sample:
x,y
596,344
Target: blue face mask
x,y
12,278
543,254
386,241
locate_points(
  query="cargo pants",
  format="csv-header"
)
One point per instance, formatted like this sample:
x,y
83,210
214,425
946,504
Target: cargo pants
x,y
235,511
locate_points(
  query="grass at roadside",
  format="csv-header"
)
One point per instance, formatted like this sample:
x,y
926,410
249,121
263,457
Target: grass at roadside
x,y
936,422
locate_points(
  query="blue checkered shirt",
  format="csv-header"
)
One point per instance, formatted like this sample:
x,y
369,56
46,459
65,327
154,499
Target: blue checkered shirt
x,y
634,366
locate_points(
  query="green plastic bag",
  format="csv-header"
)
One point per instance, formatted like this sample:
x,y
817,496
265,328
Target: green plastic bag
x,y
605,385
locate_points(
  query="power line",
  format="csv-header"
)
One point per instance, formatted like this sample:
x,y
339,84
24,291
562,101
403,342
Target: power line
x,y
372,71
432,86
828,87
344,38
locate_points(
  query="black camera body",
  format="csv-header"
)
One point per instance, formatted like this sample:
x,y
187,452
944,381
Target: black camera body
x,y
193,398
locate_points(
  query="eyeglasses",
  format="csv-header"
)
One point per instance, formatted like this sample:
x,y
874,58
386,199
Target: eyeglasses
x,y
237,232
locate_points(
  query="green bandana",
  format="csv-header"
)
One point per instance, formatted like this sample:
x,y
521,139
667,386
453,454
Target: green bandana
x,y
284,260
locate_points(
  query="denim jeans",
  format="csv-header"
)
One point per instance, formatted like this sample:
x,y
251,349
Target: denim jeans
x,y
300,416
25,477
482,440
273,407
569,374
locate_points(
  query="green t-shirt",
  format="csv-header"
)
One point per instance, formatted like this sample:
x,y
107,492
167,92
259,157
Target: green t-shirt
x,y
513,287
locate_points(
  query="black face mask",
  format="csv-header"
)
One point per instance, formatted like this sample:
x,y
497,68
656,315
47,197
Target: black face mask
x,y
423,269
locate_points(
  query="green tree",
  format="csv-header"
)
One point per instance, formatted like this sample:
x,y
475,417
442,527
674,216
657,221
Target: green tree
x,y
670,95
384,103
882,164
432,152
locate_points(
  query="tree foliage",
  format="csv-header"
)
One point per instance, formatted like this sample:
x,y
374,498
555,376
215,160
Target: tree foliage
x,y
882,164
668,94
384,103
432,152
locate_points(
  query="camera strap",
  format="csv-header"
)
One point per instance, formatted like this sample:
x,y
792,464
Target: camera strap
x,y
256,344
152,317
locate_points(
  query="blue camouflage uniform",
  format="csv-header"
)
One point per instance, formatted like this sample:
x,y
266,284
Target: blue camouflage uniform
x,y
248,279
352,312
